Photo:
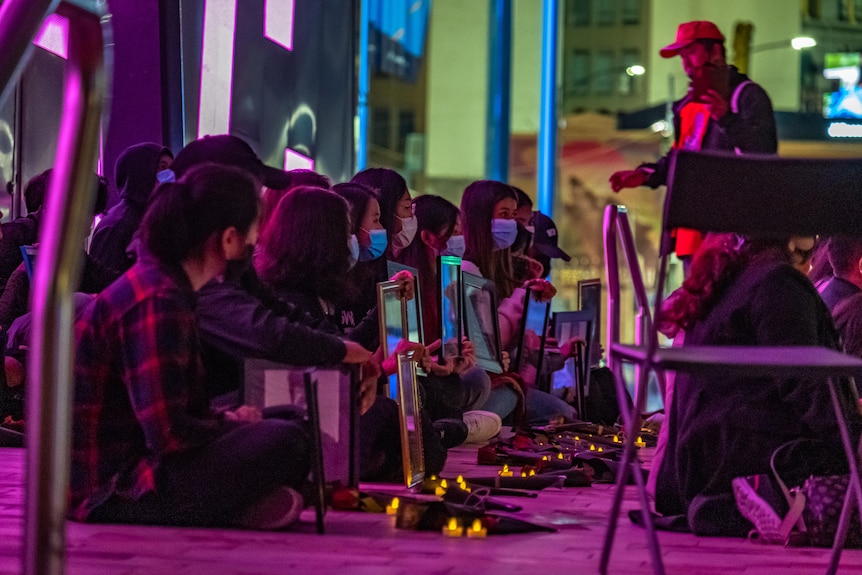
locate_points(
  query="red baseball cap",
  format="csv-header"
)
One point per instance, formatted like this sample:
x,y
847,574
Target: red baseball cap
x,y
688,32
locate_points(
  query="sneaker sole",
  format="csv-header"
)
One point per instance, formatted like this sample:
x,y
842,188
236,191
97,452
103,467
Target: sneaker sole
x,y
766,521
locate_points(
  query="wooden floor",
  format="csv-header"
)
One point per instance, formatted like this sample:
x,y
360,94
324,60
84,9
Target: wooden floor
x,y
362,543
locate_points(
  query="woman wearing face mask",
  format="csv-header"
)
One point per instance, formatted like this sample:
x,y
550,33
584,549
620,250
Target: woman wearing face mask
x,y
488,209
308,265
396,213
143,434
457,388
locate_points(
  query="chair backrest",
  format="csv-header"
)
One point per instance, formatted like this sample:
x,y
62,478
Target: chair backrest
x,y
764,195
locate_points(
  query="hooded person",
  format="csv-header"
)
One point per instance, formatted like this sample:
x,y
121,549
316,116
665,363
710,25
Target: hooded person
x,y
135,177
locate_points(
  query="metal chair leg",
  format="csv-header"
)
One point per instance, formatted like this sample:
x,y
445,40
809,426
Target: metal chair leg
x,y
317,451
854,487
631,420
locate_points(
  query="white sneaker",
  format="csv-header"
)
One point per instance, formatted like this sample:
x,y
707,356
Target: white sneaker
x,y
278,510
481,425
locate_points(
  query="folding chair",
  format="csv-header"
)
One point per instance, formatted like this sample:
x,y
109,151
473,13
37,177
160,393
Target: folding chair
x,y
760,195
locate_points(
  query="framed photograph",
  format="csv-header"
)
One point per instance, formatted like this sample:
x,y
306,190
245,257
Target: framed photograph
x,y
576,373
481,325
449,297
533,332
272,386
411,422
590,298
392,311
415,330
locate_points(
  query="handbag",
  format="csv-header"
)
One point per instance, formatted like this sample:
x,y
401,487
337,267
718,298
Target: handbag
x,y
808,515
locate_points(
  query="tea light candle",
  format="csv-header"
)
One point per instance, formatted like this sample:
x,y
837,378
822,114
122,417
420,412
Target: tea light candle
x,y
477,530
592,447
440,491
560,456
640,442
453,528
616,439
505,471
392,508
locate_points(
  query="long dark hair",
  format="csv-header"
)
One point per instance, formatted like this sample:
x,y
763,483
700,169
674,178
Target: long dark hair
x,y
305,249
437,216
718,262
184,215
296,178
358,196
477,211
390,187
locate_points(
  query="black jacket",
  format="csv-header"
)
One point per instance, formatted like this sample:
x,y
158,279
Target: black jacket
x,y
751,130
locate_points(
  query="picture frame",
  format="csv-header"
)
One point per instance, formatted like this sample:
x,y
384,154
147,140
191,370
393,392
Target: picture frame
x,y
576,373
394,324
481,324
415,327
410,417
533,331
590,298
449,307
329,399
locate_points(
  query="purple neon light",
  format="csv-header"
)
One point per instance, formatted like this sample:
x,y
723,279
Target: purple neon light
x,y
296,161
217,67
278,19
53,36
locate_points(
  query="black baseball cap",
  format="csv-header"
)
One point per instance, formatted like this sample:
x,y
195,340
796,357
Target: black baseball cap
x,y
229,151
546,239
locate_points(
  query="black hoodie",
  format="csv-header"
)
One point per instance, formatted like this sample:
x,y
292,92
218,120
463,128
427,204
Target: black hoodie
x,y
135,176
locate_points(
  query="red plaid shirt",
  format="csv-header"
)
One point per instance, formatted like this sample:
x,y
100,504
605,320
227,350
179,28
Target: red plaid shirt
x,y
138,386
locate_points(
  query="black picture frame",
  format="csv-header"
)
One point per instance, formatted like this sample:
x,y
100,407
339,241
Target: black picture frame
x,y
568,324
590,298
272,385
481,324
450,307
534,320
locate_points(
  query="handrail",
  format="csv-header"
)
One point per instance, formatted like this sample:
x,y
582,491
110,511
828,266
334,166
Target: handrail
x,y
68,208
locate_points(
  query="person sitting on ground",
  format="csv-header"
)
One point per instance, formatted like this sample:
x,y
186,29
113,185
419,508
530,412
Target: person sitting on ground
x,y
744,292
146,448
487,211
305,255
845,258
238,317
135,178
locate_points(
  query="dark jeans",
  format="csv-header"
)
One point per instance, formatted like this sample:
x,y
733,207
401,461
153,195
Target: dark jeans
x,y
380,444
210,485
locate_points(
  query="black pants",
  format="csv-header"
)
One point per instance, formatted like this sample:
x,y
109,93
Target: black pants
x,y
210,485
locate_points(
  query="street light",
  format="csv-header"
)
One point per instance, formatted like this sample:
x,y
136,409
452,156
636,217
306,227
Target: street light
x,y
802,42
636,70
797,43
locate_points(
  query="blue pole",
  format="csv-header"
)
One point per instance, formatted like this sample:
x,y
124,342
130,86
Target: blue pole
x,y
499,90
546,169
364,83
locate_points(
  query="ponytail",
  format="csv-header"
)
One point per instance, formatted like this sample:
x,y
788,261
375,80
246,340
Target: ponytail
x,y
185,214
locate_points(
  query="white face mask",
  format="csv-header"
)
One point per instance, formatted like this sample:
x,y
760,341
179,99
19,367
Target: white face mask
x,y
408,231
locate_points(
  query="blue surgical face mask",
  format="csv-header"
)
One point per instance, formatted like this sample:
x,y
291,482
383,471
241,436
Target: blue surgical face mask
x,y
379,241
505,232
166,176
353,245
455,246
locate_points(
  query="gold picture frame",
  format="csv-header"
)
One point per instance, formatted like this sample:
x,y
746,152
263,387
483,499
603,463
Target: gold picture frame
x,y
410,416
